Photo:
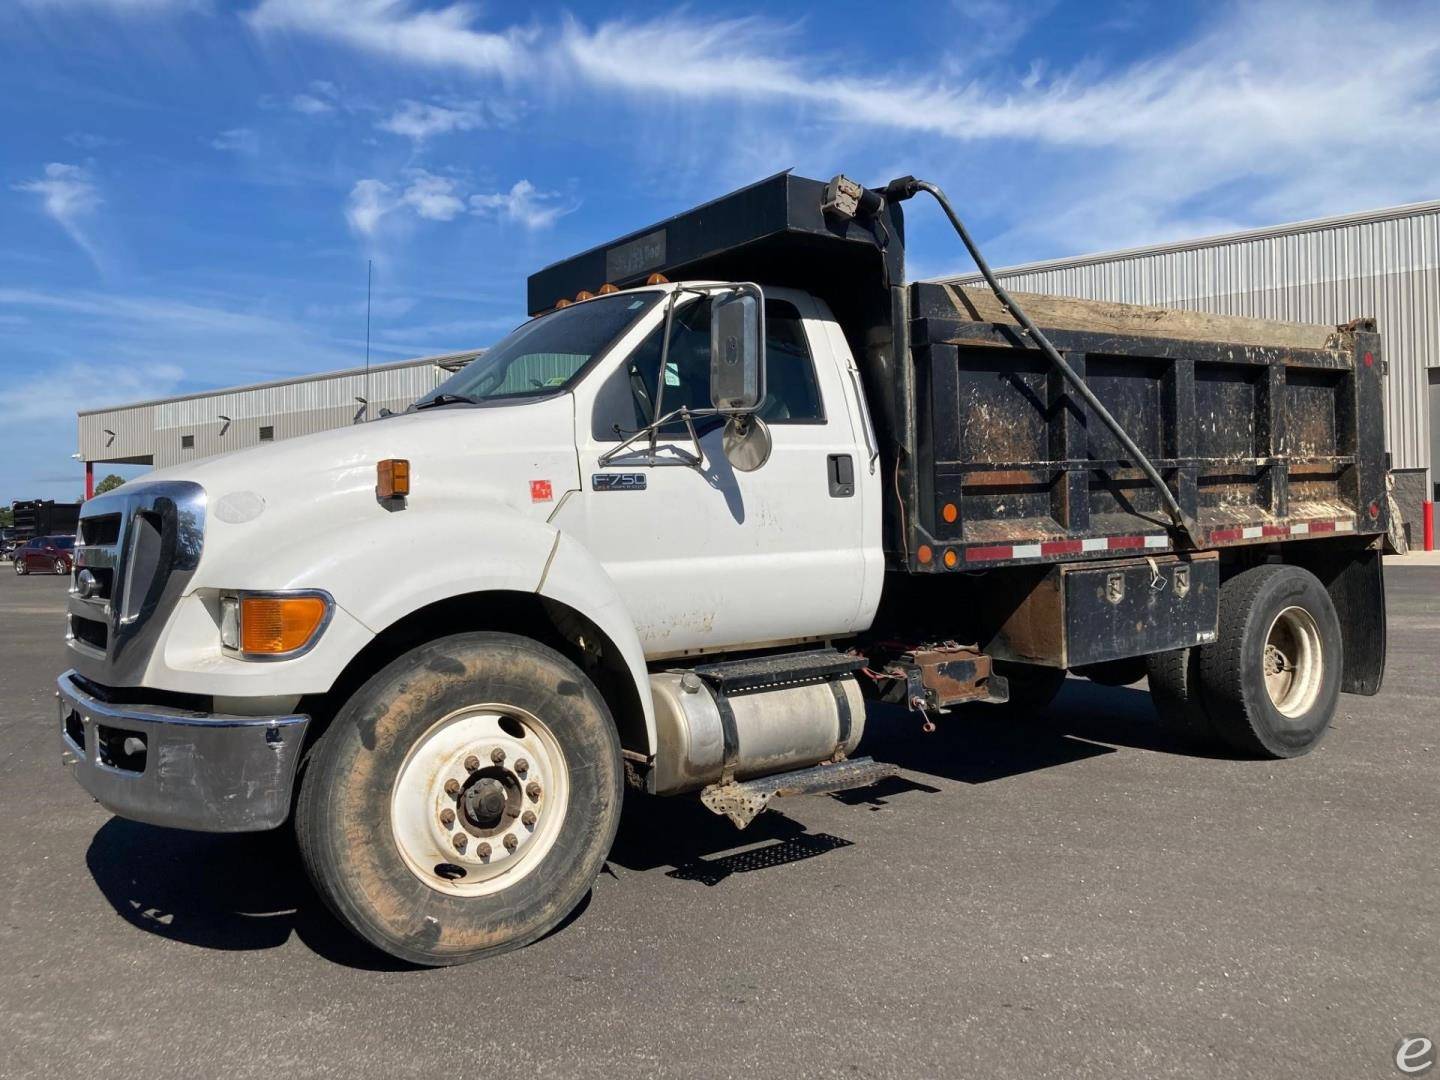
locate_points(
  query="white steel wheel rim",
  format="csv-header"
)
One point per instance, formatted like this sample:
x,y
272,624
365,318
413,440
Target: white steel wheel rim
x,y
502,813
1293,662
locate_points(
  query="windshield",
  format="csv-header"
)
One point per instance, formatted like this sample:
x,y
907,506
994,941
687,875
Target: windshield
x,y
545,355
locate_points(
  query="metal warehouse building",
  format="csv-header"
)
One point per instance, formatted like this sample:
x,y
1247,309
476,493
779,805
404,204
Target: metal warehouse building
x,y
174,430
1383,263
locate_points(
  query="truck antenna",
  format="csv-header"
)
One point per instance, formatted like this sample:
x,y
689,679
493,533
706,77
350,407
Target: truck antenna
x,y
369,264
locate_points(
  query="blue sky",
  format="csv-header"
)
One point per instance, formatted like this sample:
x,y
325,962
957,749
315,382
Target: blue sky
x,y
190,189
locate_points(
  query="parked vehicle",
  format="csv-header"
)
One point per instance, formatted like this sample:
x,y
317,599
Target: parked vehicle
x,y
9,540
696,524
44,517
45,555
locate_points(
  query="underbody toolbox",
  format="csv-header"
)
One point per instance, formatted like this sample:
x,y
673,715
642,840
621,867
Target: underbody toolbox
x,y
1087,613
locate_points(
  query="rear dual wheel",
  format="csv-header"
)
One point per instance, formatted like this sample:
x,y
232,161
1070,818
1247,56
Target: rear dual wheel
x,y
1269,684
464,799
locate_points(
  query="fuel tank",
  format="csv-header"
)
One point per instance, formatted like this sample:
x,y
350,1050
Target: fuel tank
x,y
776,730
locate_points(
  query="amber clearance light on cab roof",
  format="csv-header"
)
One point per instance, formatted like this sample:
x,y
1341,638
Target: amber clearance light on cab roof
x,y
272,626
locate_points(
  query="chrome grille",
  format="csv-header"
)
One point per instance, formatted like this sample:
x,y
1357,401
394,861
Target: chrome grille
x,y
138,546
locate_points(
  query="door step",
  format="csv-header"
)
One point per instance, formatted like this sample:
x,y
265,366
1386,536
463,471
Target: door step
x,y
742,800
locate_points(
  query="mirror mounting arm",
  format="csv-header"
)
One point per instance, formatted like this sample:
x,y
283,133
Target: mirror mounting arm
x,y
651,455
670,306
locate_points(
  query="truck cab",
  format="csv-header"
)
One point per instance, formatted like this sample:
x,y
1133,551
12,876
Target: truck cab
x,y
731,482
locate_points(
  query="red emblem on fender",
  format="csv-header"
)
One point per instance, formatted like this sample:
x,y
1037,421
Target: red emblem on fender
x,y
540,491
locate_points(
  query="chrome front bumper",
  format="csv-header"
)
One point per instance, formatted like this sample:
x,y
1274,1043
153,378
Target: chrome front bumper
x,y
187,770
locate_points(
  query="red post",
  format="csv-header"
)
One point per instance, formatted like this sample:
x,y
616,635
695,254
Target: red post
x,y
89,479
1427,515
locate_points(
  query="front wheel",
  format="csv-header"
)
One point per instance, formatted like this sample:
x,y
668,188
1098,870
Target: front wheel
x,y
463,801
1271,679
60,567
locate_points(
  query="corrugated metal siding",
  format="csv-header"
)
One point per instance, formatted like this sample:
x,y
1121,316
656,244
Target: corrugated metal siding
x,y
155,430
1387,267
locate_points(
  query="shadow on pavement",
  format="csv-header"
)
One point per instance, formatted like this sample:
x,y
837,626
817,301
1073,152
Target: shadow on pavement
x,y
979,744
203,889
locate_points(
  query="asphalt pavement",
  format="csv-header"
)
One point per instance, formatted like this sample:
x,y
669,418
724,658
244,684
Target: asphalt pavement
x,y
1074,895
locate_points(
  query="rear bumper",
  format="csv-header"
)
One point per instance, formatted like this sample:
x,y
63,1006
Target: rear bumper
x,y
186,770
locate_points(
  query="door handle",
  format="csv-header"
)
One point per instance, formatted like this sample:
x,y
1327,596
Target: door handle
x,y
840,469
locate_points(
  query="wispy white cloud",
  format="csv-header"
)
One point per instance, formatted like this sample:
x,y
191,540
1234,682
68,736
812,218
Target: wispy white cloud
x,y
56,394
425,36
433,197
124,7
419,120
382,307
310,105
239,140
370,200
88,140
522,204
69,196
443,198
1256,97
135,329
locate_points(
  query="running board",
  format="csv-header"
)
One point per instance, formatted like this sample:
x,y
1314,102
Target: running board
x,y
742,800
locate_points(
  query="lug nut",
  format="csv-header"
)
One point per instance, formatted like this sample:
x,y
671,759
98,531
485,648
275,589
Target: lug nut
x,y
452,786
533,790
460,841
528,819
482,849
472,763
522,766
497,755
447,817
510,842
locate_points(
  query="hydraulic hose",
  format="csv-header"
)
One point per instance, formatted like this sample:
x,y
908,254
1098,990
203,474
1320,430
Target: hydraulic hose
x,y
905,188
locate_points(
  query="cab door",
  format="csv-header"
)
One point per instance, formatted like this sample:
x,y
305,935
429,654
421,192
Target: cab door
x,y
709,557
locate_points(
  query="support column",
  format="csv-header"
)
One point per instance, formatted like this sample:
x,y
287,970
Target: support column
x,y
89,479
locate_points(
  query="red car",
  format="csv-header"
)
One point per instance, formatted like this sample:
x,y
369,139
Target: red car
x,y
45,555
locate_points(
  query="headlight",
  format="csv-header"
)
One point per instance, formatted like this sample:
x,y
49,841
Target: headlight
x,y
273,625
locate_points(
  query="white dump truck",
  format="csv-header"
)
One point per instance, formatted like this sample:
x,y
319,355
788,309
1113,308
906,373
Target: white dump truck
x,y
732,482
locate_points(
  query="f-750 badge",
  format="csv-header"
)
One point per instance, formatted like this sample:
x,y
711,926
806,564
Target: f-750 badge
x,y
618,481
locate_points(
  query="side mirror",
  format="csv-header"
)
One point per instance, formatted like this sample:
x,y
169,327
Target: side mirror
x,y
737,350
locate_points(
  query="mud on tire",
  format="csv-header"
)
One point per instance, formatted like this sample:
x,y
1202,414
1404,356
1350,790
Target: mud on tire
x,y
358,800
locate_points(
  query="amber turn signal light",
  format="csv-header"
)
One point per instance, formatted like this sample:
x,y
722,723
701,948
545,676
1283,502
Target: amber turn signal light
x,y
392,478
657,279
607,289
275,625
584,294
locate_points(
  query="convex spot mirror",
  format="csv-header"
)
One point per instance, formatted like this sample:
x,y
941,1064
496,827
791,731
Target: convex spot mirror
x,y
737,350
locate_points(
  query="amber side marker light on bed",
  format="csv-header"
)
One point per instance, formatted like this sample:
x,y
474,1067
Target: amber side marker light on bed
x,y
392,478
272,625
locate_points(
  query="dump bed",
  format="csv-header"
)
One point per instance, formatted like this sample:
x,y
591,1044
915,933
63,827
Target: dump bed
x,y
1265,431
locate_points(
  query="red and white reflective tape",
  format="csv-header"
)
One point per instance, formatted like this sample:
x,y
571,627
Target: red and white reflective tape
x,y
995,552
1300,528
1151,542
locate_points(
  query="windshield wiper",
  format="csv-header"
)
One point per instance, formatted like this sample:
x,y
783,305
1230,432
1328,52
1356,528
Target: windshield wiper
x,y
447,399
